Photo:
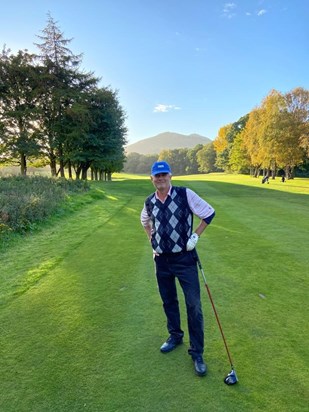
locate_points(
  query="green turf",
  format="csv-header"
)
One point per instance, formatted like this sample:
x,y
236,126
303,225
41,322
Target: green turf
x,y
81,320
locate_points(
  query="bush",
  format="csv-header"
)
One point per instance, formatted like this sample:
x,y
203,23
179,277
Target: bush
x,y
24,201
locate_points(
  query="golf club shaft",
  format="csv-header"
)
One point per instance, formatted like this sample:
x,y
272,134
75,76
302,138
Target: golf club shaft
x,y
215,311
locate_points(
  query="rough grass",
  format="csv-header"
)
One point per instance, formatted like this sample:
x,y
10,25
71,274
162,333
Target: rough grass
x,y
81,320
26,201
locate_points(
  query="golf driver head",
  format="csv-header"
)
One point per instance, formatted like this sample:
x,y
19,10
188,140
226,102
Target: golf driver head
x,y
231,378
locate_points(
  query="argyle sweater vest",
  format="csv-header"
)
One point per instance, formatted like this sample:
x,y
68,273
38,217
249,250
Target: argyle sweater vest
x,y
171,221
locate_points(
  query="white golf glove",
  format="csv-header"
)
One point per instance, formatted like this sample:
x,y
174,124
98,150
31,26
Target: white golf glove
x,y
192,242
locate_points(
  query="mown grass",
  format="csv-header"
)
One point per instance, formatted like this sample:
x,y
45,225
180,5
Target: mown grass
x,y
81,319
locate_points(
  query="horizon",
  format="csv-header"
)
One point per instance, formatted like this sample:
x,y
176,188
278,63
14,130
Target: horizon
x,y
168,132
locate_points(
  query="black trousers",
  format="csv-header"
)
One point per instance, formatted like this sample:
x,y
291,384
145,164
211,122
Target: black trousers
x,y
182,266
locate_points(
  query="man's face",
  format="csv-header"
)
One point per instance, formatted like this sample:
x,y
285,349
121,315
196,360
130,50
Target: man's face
x,y
161,181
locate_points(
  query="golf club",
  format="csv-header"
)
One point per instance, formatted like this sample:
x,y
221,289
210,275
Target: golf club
x,y
231,377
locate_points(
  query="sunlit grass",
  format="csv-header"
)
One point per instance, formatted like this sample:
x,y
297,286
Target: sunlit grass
x,y
81,320
128,176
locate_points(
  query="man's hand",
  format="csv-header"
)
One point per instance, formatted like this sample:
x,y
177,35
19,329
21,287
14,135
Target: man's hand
x,y
192,242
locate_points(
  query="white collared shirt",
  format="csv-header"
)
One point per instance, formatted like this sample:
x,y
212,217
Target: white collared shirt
x,y
198,206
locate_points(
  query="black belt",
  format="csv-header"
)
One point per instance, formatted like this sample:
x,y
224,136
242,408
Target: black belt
x,y
173,253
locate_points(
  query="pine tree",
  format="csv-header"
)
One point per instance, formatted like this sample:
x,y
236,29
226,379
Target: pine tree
x,y
62,88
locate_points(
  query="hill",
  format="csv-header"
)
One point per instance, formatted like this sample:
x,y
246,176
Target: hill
x,y
167,140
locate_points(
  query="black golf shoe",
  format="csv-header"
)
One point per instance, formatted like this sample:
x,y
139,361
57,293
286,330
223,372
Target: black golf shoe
x,y
199,366
170,344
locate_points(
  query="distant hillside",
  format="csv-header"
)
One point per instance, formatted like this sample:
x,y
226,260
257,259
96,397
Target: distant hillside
x,y
167,140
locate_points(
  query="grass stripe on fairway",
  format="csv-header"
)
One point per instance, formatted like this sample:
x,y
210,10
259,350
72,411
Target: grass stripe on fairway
x,y
81,319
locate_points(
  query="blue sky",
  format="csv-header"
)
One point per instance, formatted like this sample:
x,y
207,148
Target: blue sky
x,y
185,66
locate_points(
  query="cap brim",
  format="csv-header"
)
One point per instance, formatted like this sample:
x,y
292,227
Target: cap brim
x,y
161,171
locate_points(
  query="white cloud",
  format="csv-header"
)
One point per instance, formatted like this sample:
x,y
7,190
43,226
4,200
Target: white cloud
x,y
228,10
261,12
200,49
163,108
229,6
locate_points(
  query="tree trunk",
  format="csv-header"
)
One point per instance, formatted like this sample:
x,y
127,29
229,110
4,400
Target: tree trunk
x,y
292,173
23,164
70,169
61,161
84,172
273,170
52,164
78,171
266,172
61,168
273,173
257,171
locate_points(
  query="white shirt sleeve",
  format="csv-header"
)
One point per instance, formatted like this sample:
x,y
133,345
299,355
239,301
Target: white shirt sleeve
x,y
198,205
145,219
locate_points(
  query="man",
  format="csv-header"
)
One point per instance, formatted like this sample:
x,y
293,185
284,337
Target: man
x,y
167,218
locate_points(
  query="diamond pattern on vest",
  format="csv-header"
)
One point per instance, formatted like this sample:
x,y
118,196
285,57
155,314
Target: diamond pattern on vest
x,y
172,221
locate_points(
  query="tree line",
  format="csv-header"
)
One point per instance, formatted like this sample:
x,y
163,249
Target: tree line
x,y
53,112
272,139
200,159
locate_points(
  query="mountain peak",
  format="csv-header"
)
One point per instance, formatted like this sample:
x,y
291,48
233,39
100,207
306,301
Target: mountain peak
x,y
168,141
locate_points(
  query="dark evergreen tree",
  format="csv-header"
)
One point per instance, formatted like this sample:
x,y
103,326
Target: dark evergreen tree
x,y
102,136
18,108
62,87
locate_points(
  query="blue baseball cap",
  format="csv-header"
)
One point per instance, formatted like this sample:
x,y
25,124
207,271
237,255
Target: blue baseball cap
x,y
160,167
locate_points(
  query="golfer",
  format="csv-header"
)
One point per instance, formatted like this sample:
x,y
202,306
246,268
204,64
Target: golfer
x,y
167,218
